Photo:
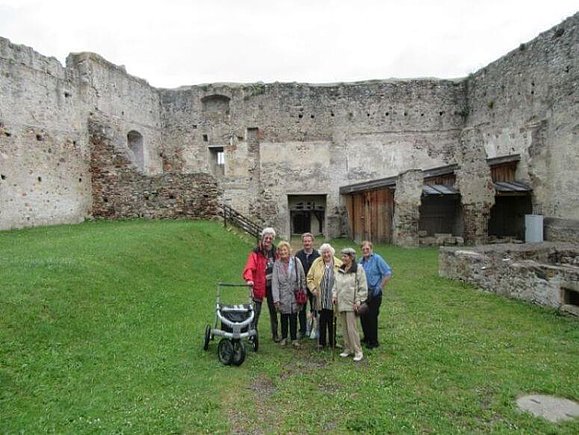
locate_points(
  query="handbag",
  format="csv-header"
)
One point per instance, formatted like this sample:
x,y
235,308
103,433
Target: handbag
x,y
362,310
300,294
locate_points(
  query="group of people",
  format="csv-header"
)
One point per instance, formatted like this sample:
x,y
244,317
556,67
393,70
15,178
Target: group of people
x,y
337,290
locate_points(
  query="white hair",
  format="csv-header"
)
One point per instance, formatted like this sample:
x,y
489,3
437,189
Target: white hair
x,y
327,247
267,231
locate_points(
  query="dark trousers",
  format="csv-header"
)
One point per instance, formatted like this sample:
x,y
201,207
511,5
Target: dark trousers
x,y
370,321
326,326
292,319
256,313
272,314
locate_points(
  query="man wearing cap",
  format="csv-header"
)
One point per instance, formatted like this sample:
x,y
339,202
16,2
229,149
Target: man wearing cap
x,y
258,272
378,273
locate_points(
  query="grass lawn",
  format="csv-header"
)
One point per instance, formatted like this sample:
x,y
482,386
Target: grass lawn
x,y
101,330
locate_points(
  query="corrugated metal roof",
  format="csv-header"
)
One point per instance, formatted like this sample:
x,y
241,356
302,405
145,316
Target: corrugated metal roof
x,y
506,187
389,182
504,159
438,189
501,187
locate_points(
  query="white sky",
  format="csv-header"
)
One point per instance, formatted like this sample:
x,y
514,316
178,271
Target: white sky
x,y
173,43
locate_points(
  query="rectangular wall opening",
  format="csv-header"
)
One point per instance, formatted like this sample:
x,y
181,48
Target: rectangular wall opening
x,y
217,160
569,297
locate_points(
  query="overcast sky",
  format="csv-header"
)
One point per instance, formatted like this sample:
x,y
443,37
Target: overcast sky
x,y
172,43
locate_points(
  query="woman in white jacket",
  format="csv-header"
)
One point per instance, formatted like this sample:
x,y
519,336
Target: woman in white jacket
x,y
350,290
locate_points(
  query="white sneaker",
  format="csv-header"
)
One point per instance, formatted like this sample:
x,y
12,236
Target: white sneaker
x,y
345,354
358,357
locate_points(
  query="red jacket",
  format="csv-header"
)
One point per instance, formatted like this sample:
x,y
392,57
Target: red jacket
x,y
254,270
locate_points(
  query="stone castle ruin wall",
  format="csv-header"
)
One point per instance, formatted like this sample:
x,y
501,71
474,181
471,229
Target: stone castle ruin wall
x,y
545,273
43,142
527,103
264,147
291,138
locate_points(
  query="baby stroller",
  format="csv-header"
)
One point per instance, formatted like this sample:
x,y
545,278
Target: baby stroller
x,y
233,323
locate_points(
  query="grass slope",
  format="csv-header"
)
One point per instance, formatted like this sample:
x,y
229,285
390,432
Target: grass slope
x,y
101,327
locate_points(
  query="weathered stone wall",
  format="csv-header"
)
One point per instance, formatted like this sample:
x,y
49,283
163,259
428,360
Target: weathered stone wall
x,y
537,272
121,191
128,102
561,230
291,138
295,139
43,142
407,211
473,180
526,103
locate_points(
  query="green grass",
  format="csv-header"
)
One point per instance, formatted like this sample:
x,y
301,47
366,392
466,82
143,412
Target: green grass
x,y
101,328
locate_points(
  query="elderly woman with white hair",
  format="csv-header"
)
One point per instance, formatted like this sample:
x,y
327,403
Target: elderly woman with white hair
x,y
350,290
321,277
258,273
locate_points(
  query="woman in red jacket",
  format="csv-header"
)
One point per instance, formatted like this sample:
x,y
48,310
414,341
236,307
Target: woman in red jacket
x,y
257,273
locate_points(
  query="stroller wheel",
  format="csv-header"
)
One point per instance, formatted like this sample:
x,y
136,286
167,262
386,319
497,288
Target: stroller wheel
x,y
207,337
255,342
238,353
225,351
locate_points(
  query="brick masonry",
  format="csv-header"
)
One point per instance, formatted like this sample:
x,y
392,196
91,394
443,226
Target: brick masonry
x,y
121,191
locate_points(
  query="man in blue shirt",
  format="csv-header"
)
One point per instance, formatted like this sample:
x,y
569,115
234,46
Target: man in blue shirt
x,y
378,273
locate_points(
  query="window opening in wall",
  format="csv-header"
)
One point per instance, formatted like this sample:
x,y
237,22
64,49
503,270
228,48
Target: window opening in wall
x,y
217,160
570,297
205,138
135,144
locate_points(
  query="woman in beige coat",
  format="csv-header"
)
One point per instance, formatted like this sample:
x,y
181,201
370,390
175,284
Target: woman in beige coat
x,y
321,282
350,290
